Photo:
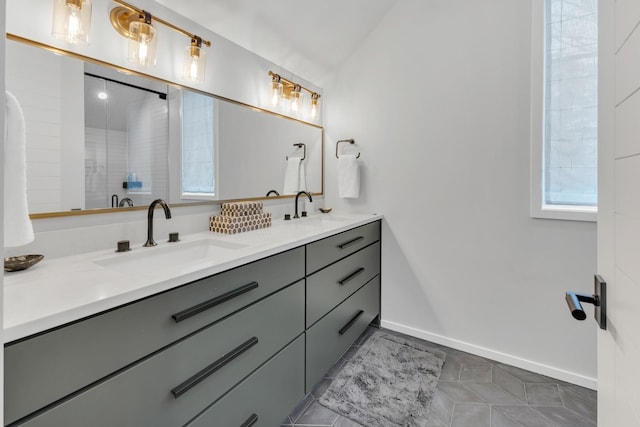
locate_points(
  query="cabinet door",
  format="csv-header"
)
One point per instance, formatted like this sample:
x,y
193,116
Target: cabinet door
x,y
174,385
332,285
328,339
266,397
329,250
48,367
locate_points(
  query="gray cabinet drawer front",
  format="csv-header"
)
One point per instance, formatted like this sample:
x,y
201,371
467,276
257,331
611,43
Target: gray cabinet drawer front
x,y
325,344
268,395
326,251
48,367
142,395
329,286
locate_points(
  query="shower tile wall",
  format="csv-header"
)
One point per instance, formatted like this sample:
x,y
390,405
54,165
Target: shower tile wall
x,y
104,172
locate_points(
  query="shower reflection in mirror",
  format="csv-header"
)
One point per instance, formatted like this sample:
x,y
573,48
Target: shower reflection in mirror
x,y
126,141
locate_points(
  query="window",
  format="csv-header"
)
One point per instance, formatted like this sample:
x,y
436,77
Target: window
x,y
565,109
198,146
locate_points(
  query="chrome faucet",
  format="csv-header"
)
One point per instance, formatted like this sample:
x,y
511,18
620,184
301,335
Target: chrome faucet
x,y
167,215
298,195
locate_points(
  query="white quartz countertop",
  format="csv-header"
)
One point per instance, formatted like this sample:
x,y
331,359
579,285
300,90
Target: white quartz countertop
x,y
62,290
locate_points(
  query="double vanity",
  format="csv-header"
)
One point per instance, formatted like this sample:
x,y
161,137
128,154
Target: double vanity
x,y
209,331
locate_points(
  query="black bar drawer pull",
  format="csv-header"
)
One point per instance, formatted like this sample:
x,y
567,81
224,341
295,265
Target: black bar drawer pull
x,y
350,323
203,306
215,366
250,421
351,276
350,242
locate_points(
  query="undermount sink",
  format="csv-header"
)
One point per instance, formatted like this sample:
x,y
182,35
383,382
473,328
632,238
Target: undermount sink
x,y
169,255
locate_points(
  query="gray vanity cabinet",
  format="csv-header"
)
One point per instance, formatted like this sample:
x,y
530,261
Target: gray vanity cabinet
x,y
326,251
267,396
332,285
328,339
343,295
173,386
239,348
52,366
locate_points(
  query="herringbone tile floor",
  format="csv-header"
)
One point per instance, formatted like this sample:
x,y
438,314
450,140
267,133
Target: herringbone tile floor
x,y
475,392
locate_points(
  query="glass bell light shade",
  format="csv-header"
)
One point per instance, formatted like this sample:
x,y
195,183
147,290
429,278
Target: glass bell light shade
x,y
72,20
315,106
296,102
276,93
143,42
195,62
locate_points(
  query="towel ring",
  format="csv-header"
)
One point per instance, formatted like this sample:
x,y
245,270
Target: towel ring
x,y
350,141
303,146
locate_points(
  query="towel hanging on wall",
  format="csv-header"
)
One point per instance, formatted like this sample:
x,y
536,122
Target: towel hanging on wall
x,y
295,177
348,176
18,229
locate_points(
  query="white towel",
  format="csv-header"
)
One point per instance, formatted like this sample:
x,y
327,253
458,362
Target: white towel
x,y
302,177
295,177
18,229
348,177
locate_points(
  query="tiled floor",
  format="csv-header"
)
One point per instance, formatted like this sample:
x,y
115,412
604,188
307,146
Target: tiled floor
x,y
475,392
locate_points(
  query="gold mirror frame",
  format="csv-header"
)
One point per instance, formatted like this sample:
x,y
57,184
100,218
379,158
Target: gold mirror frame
x,y
74,55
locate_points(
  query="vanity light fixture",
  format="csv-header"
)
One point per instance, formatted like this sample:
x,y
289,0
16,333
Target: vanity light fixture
x,y
283,89
315,107
72,20
143,41
276,90
137,25
195,61
297,97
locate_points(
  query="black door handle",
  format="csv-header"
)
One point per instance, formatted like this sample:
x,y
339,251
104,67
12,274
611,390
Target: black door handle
x,y
573,301
598,299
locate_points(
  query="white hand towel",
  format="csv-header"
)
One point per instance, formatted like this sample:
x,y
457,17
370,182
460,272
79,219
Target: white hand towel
x,y
18,229
302,177
292,175
348,177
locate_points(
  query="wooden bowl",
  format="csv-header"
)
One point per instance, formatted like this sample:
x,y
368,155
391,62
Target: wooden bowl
x,y
21,262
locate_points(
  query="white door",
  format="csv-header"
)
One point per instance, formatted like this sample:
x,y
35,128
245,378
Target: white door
x,y
619,212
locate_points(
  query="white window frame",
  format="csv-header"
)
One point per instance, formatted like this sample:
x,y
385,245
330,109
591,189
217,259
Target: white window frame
x,y
537,208
185,195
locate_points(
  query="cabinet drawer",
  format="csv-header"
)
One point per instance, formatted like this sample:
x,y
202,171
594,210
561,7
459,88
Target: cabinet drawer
x,y
267,396
328,339
174,385
45,368
326,251
329,286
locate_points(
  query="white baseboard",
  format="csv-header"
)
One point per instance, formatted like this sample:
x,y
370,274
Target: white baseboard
x,y
498,356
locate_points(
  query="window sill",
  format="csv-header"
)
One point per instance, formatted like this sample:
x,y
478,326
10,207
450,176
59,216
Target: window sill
x,y
568,213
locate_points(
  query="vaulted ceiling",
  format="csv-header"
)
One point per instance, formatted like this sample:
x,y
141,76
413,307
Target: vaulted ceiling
x,y
308,38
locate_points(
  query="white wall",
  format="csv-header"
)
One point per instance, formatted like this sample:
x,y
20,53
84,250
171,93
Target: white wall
x,y
437,98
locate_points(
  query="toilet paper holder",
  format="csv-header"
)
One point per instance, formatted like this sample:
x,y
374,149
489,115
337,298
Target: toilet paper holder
x,y
598,299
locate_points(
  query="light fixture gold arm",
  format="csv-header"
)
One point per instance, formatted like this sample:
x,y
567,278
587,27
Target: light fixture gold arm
x,y
292,85
121,18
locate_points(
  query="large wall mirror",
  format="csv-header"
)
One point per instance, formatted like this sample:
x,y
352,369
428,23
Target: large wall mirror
x,y
99,139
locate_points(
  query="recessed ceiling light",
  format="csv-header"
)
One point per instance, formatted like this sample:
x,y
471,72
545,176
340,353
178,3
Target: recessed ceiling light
x,y
103,95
